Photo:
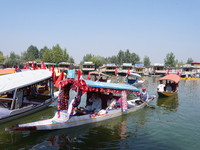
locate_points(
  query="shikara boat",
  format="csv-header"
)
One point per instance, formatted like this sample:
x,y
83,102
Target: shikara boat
x,y
131,79
175,85
19,94
65,117
98,76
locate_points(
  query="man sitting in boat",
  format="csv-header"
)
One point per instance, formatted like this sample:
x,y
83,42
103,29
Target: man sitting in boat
x,y
161,86
143,97
168,87
76,108
111,102
96,103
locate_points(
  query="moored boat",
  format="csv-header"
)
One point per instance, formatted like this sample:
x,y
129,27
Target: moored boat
x,y
171,80
19,94
98,76
65,117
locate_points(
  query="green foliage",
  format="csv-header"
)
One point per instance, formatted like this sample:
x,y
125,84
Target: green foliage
x,y
48,56
2,58
66,56
32,52
170,60
180,64
71,60
14,59
127,56
38,60
57,54
135,58
189,61
147,62
41,52
120,57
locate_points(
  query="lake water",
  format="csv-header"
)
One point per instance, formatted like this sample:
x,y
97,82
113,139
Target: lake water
x,y
173,124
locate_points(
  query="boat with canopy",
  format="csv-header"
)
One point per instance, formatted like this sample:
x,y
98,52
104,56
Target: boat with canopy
x,y
171,80
98,76
19,95
66,117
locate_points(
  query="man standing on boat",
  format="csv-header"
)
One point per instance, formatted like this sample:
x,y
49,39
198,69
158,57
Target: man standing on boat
x,y
143,97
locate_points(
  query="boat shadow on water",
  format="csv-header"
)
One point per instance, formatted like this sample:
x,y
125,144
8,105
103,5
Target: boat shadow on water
x,y
169,104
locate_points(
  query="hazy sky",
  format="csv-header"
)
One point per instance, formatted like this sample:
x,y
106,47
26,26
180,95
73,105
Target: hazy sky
x,y
103,27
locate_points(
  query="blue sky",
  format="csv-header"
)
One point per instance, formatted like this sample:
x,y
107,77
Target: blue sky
x,y
150,28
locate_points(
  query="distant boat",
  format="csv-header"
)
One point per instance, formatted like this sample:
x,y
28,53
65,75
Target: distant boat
x,y
98,76
190,76
20,96
175,85
66,120
131,79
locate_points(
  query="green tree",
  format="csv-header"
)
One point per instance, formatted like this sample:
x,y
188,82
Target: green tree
x,y
120,57
32,52
135,58
180,64
97,61
2,58
41,52
14,59
170,60
24,56
127,56
189,61
147,62
48,56
65,55
71,60
57,54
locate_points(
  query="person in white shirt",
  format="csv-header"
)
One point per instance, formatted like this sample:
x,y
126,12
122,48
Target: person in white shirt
x,y
161,87
111,102
96,102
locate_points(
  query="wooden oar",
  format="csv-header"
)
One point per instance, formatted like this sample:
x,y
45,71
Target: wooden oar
x,y
146,103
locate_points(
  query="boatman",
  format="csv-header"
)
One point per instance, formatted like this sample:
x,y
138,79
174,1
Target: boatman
x,y
143,97
161,86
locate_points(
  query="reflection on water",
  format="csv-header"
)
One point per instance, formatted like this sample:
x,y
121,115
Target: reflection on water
x,y
168,103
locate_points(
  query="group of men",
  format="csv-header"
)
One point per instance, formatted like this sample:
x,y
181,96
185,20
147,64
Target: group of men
x,y
96,104
161,87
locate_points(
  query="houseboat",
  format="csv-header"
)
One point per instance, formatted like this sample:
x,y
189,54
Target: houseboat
x,y
108,69
88,67
140,69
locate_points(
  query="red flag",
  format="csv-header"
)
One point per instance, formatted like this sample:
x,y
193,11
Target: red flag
x,y
15,68
48,66
80,78
168,72
8,65
88,77
128,72
58,70
36,67
25,66
33,66
53,74
43,65
115,71
60,78
178,73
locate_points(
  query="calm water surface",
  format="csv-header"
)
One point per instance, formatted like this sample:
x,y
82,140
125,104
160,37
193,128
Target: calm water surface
x,y
173,124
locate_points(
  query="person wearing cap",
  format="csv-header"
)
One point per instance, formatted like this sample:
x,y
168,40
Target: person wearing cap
x,y
143,96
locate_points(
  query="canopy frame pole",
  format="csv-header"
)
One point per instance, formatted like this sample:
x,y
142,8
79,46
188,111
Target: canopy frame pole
x,y
13,101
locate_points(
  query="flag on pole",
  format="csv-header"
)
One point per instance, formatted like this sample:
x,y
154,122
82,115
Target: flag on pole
x,y
88,77
128,72
15,68
60,78
115,71
53,74
24,67
80,78
33,66
178,72
168,72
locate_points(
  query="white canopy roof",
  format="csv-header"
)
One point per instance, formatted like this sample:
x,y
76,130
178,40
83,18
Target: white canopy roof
x,y
22,79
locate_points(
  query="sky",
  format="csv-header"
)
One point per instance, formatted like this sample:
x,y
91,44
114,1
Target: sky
x,y
150,28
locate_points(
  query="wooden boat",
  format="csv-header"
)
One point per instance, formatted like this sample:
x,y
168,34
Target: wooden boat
x,y
131,79
98,76
66,119
175,85
19,95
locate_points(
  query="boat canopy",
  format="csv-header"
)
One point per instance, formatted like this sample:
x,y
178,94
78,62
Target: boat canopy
x,y
171,77
22,79
110,85
98,73
131,74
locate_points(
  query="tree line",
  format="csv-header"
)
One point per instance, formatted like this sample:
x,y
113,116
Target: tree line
x,y
56,55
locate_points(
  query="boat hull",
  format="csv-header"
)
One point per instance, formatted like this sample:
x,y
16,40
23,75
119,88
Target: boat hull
x,y
167,94
76,120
